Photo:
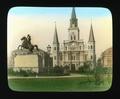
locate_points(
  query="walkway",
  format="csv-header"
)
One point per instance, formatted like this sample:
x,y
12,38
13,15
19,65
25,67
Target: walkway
x,y
72,75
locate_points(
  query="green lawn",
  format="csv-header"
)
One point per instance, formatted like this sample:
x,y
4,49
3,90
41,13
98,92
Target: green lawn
x,y
80,84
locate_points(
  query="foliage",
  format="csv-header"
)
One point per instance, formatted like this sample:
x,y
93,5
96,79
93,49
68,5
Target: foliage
x,y
11,72
58,70
21,72
86,68
99,73
66,70
55,71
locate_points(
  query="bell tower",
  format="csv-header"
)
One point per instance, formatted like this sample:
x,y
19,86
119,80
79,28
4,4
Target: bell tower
x,y
55,48
73,29
91,48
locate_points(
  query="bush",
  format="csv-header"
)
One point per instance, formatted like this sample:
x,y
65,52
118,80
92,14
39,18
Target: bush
x,y
11,72
21,72
66,70
55,71
99,75
58,70
86,68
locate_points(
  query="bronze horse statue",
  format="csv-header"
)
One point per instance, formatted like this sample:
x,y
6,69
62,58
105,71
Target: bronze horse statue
x,y
26,44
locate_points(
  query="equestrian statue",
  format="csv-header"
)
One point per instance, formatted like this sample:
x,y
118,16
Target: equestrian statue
x,y
26,44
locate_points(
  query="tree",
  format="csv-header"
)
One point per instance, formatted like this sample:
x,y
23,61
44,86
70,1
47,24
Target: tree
x,y
85,68
99,73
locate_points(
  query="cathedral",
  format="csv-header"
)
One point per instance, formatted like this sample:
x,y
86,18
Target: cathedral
x,y
74,53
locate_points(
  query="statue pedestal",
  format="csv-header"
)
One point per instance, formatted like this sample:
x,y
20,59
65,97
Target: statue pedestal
x,y
27,61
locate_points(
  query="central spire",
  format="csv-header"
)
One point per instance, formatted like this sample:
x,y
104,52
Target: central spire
x,y
73,15
73,20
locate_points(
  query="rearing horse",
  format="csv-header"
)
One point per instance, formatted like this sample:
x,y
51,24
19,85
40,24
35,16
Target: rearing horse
x,y
27,45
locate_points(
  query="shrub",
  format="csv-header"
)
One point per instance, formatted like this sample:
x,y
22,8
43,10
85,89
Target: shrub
x,y
86,68
58,70
66,70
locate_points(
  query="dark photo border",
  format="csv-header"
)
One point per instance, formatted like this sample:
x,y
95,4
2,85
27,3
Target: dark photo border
x,y
4,89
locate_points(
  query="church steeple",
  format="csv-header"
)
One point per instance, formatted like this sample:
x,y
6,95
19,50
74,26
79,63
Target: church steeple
x,y
73,15
73,20
73,29
55,39
91,48
91,36
55,48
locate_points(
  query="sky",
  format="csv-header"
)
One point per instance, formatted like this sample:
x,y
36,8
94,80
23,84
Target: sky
x,y
39,22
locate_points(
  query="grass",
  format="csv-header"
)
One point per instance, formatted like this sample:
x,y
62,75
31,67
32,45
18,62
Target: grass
x,y
75,84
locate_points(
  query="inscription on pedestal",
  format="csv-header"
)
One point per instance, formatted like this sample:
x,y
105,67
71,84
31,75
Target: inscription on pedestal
x,y
26,61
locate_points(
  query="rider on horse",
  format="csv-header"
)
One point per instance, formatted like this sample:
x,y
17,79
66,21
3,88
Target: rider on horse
x,y
29,38
27,43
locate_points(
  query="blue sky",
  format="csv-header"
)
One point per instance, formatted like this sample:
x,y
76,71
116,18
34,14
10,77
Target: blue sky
x,y
82,12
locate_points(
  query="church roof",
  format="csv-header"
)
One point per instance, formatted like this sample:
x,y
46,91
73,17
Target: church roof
x,y
73,15
91,36
55,39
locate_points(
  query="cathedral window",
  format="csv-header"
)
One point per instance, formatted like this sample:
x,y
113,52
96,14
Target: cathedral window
x,y
68,57
54,48
54,57
91,57
80,47
65,48
71,37
61,57
74,57
74,37
91,46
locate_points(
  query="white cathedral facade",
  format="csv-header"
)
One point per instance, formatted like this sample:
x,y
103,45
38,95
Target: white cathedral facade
x,y
74,53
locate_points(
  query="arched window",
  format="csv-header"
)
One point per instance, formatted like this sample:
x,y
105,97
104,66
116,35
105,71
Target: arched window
x,y
66,48
54,57
91,57
74,37
54,48
80,47
74,57
91,46
71,37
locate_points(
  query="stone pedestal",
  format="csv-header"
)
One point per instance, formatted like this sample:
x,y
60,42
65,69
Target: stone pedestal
x,y
23,59
26,61
34,61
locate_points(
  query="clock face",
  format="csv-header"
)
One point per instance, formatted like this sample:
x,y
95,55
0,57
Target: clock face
x,y
72,46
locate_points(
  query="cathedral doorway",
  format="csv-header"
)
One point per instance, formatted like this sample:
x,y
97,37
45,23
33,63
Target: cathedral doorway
x,y
72,67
